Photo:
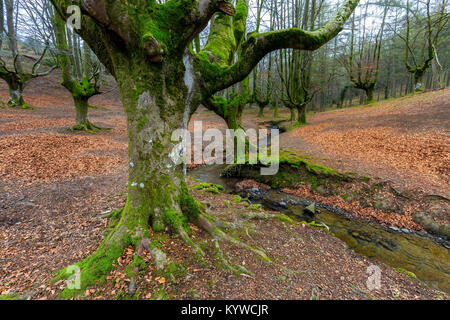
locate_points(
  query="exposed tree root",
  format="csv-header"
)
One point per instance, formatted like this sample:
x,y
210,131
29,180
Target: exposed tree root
x,y
239,269
94,269
127,229
185,237
88,127
204,222
23,106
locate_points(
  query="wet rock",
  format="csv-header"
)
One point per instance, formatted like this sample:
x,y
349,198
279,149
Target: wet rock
x,y
283,204
311,209
431,226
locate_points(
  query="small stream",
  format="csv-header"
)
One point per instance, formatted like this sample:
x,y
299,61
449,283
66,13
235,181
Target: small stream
x,y
430,261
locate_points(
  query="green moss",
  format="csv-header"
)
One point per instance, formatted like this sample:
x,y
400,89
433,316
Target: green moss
x,y
293,171
190,207
172,270
207,187
132,270
175,219
237,199
410,274
94,269
314,224
285,218
13,296
142,122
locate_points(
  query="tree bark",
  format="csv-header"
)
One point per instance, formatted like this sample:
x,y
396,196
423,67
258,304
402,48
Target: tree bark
x,y
370,96
81,114
261,110
301,114
292,114
16,87
275,109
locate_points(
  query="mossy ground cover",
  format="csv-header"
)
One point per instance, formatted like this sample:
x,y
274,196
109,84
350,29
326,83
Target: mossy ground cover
x,y
294,169
373,198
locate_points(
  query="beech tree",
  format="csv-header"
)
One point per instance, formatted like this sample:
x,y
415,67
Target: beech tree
x,y
421,63
147,46
297,78
16,74
363,61
224,42
81,72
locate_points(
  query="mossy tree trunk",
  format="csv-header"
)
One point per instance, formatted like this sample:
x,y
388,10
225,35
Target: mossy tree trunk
x,y
16,87
261,110
77,76
301,114
369,93
292,110
81,114
418,80
434,26
161,83
17,77
275,109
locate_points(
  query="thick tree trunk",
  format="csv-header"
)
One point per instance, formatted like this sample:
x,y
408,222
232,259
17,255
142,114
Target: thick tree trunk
x,y
153,113
370,96
292,114
301,114
261,111
81,113
156,104
418,82
16,88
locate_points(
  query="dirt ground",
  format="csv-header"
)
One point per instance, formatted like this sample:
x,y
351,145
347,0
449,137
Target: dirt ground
x,y
404,140
55,187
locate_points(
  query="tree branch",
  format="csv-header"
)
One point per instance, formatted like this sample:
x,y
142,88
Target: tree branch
x,y
258,45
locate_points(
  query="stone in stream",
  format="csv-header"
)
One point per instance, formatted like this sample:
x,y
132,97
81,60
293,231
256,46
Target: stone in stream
x,y
311,209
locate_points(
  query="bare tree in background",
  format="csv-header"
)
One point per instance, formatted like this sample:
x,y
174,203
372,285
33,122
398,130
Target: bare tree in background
x,y
17,72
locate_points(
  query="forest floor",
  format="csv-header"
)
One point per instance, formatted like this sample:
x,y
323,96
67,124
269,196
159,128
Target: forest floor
x,y
55,186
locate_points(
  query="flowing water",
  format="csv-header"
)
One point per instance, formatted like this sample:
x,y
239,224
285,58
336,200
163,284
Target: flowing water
x,y
428,260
